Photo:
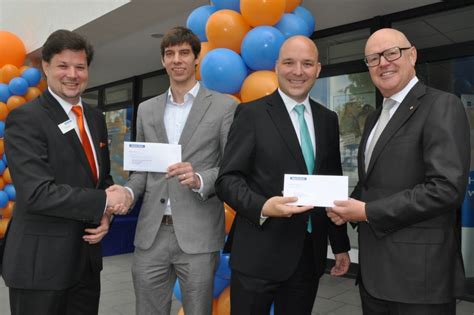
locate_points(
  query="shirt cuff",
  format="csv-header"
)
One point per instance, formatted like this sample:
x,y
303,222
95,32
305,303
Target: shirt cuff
x,y
262,219
131,192
201,189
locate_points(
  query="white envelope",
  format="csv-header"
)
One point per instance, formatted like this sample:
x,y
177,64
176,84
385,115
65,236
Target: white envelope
x,y
150,157
316,190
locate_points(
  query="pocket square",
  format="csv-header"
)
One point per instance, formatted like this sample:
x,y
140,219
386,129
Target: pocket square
x,y
102,145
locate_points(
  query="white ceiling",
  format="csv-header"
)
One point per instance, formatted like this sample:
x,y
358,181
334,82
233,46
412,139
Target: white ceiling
x,y
124,46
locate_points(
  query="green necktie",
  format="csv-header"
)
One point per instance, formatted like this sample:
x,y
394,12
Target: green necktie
x,y
306,147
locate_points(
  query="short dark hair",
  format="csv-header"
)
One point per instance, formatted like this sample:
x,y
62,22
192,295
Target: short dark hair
x,y
180,35
63,39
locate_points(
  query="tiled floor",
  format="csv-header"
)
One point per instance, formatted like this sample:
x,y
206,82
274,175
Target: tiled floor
x,y
336,296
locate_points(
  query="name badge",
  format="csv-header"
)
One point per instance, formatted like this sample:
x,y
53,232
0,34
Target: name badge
x,y
66,126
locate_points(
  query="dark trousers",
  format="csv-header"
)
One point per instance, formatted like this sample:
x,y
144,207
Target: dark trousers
x,y
254,296
374,306
81,299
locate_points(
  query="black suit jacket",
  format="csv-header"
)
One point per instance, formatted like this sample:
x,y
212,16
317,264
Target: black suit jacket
x,y
262,146
56,198
414,185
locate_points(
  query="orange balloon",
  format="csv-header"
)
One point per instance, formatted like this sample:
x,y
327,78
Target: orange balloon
x,y
15,101
7,212
23,68
32,93
9,72
258,84
2,183
3,111
226,29
229,217
181,311
205,48
13,50
235,98
6,174
3,226
291,5
262,12
42,85
214,307
223,302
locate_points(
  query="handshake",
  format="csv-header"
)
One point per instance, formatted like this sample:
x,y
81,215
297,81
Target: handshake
x,y
119,200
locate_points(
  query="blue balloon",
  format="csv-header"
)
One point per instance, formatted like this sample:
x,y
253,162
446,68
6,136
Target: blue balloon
x,y
177,291
219,285
260,47
197,20
4,93
32,76
306,15
3,199
2,129
18,86
290,25
223,270
11,192
227,4
223,70
2,166
272,309
4,159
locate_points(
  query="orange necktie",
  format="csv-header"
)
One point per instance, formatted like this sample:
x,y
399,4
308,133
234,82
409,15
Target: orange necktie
x,y
86,144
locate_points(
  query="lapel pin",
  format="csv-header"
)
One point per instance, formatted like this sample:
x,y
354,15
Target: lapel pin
x,y
411,107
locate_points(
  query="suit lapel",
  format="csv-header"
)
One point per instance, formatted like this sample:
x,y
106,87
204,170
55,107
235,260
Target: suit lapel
x,y
58,115
158,118
280,117
200,106
369,125
409,105
92,124
319,138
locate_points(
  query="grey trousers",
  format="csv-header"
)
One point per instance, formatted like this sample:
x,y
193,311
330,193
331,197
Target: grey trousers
x,y
155,271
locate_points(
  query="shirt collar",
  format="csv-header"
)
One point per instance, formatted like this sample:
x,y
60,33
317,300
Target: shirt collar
x,y
400,96
291,103
190,94
64,104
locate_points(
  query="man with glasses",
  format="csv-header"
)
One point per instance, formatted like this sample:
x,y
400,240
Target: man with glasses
x,y
413,168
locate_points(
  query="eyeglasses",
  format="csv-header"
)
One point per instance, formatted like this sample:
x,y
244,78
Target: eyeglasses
x,y
390,54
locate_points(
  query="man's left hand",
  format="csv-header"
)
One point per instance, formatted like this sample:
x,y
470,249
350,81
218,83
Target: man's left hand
x,y
94,236
185,174
342,264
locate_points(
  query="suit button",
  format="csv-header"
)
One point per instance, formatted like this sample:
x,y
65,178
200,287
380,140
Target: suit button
x,y
162,200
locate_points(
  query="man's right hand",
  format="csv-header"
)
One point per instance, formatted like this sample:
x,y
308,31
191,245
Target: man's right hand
x,y
278,207
119,200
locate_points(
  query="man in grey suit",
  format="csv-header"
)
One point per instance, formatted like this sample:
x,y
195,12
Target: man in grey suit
x,y
413,168
180,229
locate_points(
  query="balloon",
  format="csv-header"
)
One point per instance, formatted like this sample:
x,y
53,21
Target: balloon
x,y
291,25
4,159
2,150
3,199
223,70
2,184
6,174
197,20
32,93
227,4
18,86
7,211
205,48
13,50
23,69
306,15
2,166
32,76
4,93
15,101
3,111
219,285
226,29
235,98
223,269
223,303
262,12
229,217
261,46
42,85
291,5
3,226
10,190
272,309
258,84
177,291
9,72
2,131
181,311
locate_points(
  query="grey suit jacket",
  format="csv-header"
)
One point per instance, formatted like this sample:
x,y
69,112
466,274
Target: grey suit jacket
x,y
198,220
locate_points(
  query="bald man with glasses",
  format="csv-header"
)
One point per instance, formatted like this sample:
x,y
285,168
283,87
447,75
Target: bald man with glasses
x,y
413,163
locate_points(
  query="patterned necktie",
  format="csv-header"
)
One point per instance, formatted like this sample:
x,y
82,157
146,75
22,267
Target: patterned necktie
x,y
306,147
86,144
383,121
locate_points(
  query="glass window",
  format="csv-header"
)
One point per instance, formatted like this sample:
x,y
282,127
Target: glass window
x,y
342,47
155,85
352,97
91,98
118,93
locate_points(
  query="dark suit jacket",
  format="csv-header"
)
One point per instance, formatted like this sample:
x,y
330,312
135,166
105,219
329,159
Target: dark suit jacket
x,y
56,198
262,147
415,183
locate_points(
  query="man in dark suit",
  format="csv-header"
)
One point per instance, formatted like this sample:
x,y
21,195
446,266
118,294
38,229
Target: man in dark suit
x,y
59,162
412,180
276,255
